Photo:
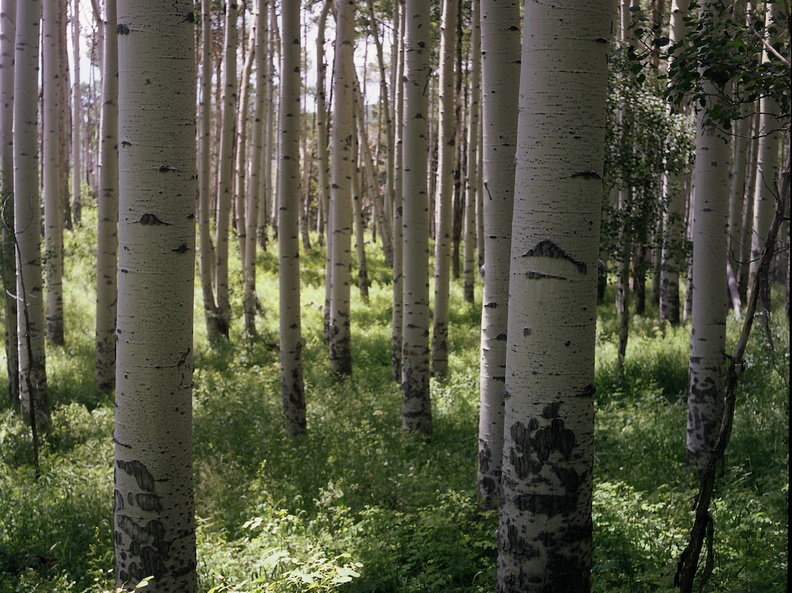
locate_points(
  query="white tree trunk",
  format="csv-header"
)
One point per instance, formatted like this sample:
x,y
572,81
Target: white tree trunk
x,y
416,402
500,68
8,260
445,186
107,211
76,117
545,519
27,222
154,507
225,184
396,217
706,371
341,189
51,144
471,180
292,385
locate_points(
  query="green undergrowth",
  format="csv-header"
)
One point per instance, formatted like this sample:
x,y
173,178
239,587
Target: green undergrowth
x,y
357,506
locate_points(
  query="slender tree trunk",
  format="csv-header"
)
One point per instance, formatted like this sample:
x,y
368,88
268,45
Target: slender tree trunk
x,y
322,178
154,505
398,246
107,212
226,173
357,209
51,144
708,314
292,386
27,222
747,215
416,402
215,326
500,68
262,233
674,196
7,40
445,186
257,183
341,189
471,180
241,156
387,207
77,147
544,538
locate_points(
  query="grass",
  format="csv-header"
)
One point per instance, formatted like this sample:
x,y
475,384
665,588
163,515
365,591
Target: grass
x,y
355,506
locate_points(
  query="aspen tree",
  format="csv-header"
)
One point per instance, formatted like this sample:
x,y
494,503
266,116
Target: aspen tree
x,y
27,233
77,140
154,505
241,156
107,211
544,537
214,325
415,369
768,158
322,159
51,144
341,189
8,260
397,89
292,385
257,184
445,186
674,196
500,68
471,180
226,171
706,371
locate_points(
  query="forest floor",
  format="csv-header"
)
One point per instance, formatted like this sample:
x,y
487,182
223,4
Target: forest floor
x,y
355,506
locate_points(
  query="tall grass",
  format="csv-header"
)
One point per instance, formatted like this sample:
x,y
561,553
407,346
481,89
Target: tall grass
x,y
357,506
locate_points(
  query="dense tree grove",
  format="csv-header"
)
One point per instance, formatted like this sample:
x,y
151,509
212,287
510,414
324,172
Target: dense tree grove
x,y
547,162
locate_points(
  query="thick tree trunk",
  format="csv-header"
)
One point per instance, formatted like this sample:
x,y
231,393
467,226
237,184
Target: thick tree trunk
x,y
27,222
708,313
154,507
51,144
500,68
8,260
292,385
445,186
341,189
544,538
107,212
416,402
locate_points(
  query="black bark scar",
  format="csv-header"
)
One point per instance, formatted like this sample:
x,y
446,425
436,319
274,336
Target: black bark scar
x,y
547,248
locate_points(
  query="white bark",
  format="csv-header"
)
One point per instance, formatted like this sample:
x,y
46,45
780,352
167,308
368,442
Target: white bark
x,y
76,117
416,402
706,370
27,222
8,259
545,518
471,180
154,507
500,68
226,169
341,189
51,144
107,211
292,385
445,186
398,246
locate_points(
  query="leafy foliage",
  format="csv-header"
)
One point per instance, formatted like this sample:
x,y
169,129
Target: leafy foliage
x,y
355,505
